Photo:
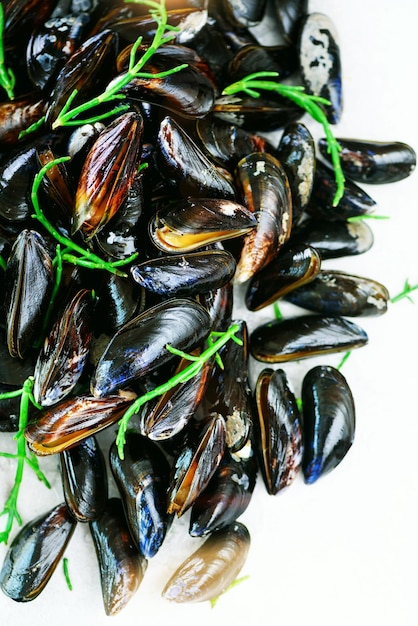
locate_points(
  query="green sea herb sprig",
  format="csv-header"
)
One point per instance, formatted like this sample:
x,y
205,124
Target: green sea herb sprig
x,y
163,34
215,342
71,251
405,293
251,86
7,78
22,457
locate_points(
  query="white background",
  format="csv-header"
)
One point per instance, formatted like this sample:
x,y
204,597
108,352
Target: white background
x,y
344,550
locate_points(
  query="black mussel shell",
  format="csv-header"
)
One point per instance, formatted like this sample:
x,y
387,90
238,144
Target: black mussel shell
x,y
196,222
219,304
228,391
289,14
28,286
185,274
279,429
95,53
140,346
84,480
118,300
355,201
338,293
291,268
185,163
121,237
255,58
72,420
334,239
175,408
243,13
196,464
59,187
257,114
187,20
374,162
52,44
35,553
212,568
320,62
21,16
65,351
16,178
188,93
296,153
122,566
266,192
142,477
328,421
226,144
226,497
304,336
108,173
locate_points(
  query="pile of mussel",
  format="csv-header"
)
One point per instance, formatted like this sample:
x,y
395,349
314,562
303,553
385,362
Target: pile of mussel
x,y
119,266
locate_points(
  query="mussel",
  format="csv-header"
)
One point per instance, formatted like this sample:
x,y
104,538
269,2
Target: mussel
x,y
328,421
214,566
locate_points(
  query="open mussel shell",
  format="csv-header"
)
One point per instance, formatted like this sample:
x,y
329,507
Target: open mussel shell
x,y
174,409
64,352
328,421
122,566
184,162
266,192
226,497
279,428
320,62
84,480
142,477
140,345
73,420
28,286
196,222
374,162
108,173
196,464
35,553
334,239
212,568
304,336
185,274
354,202
291,268
334,292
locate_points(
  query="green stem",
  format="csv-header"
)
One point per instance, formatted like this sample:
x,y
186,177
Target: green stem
x,y
112,92
251,84
407,289
181,377
7,78
66,573
343,360
88,259
3,263
277,312
10,507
